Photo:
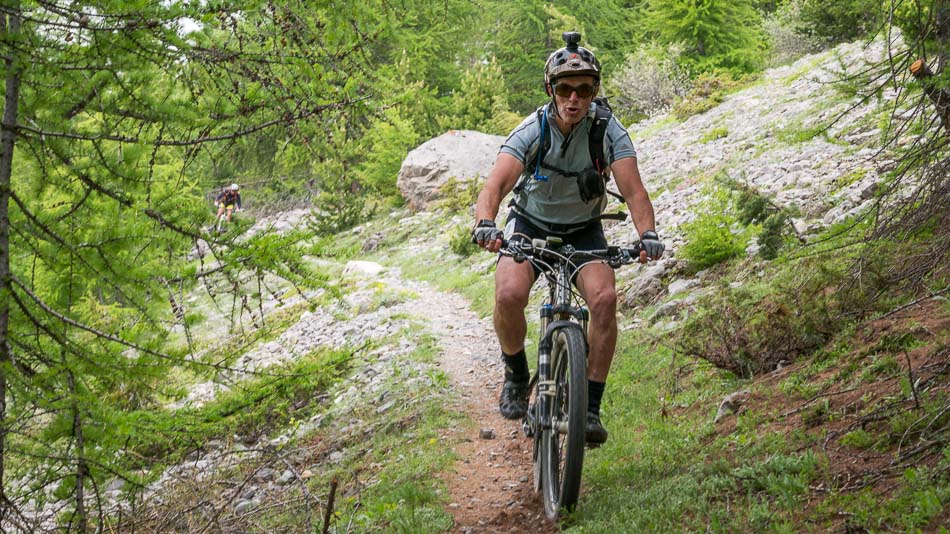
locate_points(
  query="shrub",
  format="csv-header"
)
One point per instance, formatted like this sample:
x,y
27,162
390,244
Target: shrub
x,y
786,43
859,439
481,104
773,223
748,330
386,142
839,21
649,82
460,241
714,236
340,205
711,240
459,196
708,90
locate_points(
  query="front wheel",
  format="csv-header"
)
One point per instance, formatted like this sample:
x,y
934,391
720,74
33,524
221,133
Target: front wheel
x,y
562,442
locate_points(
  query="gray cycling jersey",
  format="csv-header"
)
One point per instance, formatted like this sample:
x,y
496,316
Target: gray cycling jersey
x,y
557,200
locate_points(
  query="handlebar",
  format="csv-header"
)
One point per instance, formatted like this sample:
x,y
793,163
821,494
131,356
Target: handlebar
x,y
614,256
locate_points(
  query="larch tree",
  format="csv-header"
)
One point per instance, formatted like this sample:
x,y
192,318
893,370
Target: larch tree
x,y
113,112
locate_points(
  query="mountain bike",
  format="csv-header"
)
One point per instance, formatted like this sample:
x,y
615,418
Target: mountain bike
x,y
557,413
221,220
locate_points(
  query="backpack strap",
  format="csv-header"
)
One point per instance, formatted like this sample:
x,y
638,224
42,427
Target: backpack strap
x,y
534,157
595,141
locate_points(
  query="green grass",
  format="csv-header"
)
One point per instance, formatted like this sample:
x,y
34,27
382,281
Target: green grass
x,y
653,127
716,133
402,453
672,474
798,133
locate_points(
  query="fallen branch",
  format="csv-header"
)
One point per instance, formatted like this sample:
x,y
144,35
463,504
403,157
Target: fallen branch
x,y
328,513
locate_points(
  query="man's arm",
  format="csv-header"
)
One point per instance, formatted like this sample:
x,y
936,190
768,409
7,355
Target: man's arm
x,y
627,176
502,178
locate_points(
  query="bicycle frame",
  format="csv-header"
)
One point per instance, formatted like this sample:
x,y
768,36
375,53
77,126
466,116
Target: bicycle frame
x,y
558,312
560,381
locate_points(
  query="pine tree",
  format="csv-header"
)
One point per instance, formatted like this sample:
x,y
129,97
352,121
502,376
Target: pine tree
x,y
723,34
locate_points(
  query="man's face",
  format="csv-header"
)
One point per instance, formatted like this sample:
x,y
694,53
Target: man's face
x,y
569,93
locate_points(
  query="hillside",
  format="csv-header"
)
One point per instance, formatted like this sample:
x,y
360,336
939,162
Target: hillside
x,y
373,398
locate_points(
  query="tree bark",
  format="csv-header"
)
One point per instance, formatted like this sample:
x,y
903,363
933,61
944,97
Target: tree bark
x,y
10,29
81,467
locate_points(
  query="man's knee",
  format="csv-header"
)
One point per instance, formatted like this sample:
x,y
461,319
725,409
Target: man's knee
x,y
603,302
509,298
512,285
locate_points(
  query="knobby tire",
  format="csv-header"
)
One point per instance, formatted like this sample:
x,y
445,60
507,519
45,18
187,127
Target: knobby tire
x,y
562,454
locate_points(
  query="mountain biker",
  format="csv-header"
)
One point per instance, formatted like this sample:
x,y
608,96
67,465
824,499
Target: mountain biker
x,y
555,205
227,201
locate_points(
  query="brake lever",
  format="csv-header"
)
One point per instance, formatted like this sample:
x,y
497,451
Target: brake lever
x,y
625,257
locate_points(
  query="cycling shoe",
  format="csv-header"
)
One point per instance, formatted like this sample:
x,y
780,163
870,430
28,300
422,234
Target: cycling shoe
x,y
513,402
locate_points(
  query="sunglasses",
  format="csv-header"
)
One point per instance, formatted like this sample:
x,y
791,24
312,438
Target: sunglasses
x,y
583,91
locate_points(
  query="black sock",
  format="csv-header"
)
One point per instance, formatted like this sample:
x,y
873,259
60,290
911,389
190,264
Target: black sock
x,y
516,366
595,392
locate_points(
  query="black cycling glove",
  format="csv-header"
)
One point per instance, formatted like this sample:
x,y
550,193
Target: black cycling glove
x,y
485,231
651,244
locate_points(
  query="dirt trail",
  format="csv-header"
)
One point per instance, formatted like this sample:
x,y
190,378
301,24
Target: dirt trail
x,y
491,487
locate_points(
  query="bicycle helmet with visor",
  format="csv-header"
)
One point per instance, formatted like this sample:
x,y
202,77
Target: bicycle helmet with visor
x,y
572,60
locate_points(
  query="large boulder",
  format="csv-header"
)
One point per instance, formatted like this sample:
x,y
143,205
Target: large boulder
x,y
459,154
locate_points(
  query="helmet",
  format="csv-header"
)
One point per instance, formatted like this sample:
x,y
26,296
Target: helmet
x,y
572,60
234,187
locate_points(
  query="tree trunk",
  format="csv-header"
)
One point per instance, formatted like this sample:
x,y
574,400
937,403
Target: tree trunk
x,y
942,32
10,29
81,467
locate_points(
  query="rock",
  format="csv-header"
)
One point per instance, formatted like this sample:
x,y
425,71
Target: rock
x,y
669,310
363,267
731,403
336,457
372,243
487,433
200,251
386,407
459,154
680,285
265,474
244,506
642,291
286,478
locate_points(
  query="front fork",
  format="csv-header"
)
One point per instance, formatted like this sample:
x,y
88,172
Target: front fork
x,y
538,416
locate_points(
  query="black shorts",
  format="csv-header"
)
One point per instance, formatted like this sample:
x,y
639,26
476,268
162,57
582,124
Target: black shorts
x,y
589,237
